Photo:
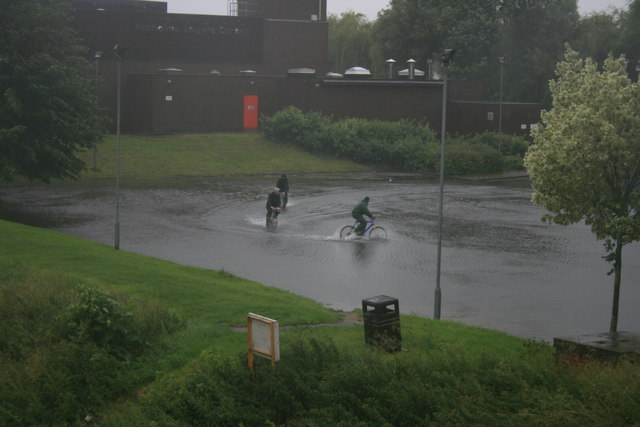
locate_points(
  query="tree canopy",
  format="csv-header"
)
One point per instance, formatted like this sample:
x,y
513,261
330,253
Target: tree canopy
x,y
350,41
529,34
48,108
585,161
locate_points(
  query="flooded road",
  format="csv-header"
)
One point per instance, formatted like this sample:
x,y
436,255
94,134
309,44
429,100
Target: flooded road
x,y
502,268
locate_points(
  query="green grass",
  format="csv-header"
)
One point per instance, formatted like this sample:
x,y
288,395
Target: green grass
x,y
206,154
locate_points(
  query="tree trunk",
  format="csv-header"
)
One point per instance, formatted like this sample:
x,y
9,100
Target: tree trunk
x,y
617,268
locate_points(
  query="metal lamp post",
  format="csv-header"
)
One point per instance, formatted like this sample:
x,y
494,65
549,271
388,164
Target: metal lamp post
x,y
119,51
446,60
97,55
501,61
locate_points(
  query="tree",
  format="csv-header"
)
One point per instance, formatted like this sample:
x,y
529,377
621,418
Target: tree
x,y
533,35
598,35
48,107
631,36
585,160
349,41
422,29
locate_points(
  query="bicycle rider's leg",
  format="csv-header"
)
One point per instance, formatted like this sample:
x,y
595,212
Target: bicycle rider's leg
x,y
362,224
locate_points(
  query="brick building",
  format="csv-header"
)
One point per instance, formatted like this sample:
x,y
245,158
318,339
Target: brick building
x,y
199,73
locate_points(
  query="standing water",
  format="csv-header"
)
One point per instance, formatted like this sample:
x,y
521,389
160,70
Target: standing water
x,y
502,268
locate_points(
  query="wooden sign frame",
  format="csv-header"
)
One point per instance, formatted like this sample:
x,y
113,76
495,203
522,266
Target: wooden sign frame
x,y
263,335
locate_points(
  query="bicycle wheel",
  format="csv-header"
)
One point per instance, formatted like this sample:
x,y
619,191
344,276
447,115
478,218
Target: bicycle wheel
x,y
346,231
378,233
272,222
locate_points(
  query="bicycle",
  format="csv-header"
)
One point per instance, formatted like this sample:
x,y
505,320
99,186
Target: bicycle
x,y
372,230
272,218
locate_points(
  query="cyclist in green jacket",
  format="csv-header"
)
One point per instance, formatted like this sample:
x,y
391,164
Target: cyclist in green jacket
x,y
358,214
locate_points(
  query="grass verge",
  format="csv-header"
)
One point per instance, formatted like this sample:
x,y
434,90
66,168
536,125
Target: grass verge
x,y
206,154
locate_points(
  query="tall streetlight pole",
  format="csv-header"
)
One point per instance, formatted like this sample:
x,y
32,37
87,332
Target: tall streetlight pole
x,y
97,55
446,60
501,61
119,51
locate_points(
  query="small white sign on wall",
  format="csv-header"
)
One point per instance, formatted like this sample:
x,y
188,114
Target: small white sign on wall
x,y
168,98
263,338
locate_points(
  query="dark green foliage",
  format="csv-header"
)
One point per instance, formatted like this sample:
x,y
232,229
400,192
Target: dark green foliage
x,y
318,383
398,145
350,41
62,352
99,319
509,145
48,107
462,158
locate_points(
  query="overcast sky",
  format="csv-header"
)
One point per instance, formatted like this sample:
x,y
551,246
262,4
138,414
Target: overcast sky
x,y
369,8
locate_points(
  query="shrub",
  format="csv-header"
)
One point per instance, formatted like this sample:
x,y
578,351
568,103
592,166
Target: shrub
x,y
401,145
394,144
462,157
510,145
318,383
62,352
98,318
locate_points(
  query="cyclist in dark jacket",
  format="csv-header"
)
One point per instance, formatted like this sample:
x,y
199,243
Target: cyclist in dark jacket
x,y
273,203
283,185
358,214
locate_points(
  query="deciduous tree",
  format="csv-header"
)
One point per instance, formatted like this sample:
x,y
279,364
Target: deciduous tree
x,y
350,41
585,161
47,93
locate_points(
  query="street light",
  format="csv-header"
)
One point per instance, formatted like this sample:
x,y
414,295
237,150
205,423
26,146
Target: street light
x,y
97,55
501,61
119,51
447,57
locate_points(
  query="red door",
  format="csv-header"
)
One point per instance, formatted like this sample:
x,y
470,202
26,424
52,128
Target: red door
x,y
250,111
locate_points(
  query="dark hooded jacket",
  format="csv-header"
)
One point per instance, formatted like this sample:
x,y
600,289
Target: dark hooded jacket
x,y
361,209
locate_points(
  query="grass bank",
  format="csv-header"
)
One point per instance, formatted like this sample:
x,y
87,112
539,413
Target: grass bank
x,y
206,154
447,373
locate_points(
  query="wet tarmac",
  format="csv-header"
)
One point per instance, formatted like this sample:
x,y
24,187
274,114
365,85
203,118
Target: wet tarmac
x,y
502,268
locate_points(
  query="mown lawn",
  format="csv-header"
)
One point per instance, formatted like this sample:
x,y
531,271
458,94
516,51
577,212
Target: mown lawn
x,y
206,154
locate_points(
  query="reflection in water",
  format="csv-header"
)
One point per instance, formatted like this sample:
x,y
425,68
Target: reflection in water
x,y
361,255
502,268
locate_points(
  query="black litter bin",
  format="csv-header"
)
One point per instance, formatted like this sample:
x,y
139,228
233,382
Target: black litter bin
x,y
382,322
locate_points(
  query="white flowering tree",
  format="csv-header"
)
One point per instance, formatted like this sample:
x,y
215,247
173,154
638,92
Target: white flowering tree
x,y
585,161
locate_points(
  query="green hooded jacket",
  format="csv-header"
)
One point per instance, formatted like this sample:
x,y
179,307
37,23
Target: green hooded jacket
x,y
362,209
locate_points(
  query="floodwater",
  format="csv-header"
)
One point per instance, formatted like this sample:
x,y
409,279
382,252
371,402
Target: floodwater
x,y
502,268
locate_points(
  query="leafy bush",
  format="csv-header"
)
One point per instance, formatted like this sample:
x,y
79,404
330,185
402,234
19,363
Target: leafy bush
x,y
510,145
62,352
393,144
98,318
401,145
463,157
318,383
